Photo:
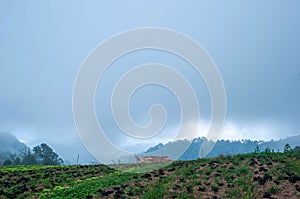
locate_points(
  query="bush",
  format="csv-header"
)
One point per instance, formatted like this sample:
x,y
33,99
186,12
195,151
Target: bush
x,y
7,163
287,148
296,149
268,150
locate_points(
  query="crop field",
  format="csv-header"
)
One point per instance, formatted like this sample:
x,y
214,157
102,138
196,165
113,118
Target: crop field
x,y
255,175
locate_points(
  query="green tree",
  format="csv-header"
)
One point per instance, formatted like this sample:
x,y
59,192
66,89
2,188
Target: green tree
x,y
46,156
27,157
267,150
7,163
17,161
287,148
257,150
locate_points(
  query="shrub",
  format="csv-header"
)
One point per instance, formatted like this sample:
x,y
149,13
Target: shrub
x,y
287,148
7,163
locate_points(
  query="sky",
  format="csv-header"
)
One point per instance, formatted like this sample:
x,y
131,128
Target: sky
x,y
255,45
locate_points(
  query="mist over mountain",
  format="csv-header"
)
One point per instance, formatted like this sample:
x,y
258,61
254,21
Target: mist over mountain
x,y
221,147
9,143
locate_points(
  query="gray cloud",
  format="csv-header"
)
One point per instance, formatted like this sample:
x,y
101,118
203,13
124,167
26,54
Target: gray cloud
x,y
43,45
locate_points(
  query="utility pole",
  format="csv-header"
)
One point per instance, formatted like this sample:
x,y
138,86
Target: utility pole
x,y
77,161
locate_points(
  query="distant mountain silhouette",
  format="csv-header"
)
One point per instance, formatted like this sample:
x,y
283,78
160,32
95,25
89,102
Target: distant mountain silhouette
x,y
9,143
221,147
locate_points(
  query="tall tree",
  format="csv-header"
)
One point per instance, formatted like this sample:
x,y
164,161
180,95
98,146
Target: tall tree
x,y
287,148
28,157
46,156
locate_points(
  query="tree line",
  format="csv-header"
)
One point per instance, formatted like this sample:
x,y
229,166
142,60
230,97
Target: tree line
x,y
40,155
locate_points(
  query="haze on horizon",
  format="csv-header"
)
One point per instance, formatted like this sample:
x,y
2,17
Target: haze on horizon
x,y
254,44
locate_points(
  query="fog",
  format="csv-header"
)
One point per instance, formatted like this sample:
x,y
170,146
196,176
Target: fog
x,y
254,44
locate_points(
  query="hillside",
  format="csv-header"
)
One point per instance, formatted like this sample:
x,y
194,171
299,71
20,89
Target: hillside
x,y
221,147
9,145
254,175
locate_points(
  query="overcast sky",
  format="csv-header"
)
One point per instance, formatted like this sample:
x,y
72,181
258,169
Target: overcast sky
x,y
255,45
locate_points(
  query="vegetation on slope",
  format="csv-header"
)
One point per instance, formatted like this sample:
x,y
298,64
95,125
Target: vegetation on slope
x,y
256,175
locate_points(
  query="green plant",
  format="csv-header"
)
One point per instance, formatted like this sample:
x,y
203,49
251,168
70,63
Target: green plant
x,y
268,150
157,192
243,171
287,148
273,189
234,193
257,149
214,188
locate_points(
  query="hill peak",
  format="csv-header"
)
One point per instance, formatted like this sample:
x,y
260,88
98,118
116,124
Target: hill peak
x,y
9,142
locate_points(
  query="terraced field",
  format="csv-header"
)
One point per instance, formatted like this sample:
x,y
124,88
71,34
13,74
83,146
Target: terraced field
x,y
256,175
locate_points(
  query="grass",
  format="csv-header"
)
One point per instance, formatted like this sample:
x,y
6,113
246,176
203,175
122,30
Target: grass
x,y
251,175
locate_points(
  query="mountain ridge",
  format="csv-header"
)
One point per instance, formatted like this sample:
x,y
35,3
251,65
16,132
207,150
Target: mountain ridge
x,y
221,147
9,145
9,142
